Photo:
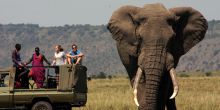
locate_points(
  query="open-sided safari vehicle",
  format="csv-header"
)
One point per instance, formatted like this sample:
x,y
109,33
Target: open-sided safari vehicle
x,y
70,90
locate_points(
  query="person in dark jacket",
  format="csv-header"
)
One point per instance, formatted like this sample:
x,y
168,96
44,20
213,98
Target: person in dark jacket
x,y
21,75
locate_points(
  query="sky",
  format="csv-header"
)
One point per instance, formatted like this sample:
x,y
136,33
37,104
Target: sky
x,y
93,12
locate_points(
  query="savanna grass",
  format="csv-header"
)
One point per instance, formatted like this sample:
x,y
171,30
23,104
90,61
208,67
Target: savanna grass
x,y
196,93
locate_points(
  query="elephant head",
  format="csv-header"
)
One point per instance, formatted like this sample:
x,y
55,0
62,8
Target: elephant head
x,y
150,41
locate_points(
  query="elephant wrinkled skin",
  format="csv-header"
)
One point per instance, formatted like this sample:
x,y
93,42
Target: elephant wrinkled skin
x,y
150,41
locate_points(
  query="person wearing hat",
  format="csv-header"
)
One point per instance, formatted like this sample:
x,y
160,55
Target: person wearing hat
x,y
38,70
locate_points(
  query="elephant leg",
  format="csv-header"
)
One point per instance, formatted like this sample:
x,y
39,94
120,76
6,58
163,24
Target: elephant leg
x,y
166,92
171,104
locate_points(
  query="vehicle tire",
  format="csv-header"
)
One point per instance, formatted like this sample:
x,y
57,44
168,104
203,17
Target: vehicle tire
x,y
42,105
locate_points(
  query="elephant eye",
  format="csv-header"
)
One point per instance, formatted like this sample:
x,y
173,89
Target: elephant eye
x,y
142,20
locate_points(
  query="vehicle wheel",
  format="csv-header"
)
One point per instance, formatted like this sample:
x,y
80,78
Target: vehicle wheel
x,y
42,105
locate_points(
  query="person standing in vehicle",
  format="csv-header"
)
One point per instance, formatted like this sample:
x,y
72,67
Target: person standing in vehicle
x,y
75,55
59,59
59,56
21,75
38,70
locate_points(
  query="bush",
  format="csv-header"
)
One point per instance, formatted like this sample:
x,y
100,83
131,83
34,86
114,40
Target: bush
x,y
183,75
109,77
89,78
101,75
208,73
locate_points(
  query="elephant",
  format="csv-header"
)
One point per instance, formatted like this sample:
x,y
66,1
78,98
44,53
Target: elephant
x,y
150,41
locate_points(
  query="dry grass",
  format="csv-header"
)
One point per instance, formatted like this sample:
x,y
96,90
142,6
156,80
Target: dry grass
x,y
199,93
196,93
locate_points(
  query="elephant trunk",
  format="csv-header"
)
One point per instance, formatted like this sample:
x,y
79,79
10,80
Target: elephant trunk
x,y
152,90
153,68
152,61
154,82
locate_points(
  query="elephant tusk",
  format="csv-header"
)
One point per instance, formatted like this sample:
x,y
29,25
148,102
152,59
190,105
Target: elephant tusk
x,y
175,84
136,81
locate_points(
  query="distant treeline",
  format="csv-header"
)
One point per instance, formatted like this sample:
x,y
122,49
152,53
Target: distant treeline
x,y
97,45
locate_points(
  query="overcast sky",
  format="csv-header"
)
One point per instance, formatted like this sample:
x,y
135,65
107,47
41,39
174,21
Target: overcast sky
x,y
94,12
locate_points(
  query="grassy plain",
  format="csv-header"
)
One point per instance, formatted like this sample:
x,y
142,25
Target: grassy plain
x,y
196,93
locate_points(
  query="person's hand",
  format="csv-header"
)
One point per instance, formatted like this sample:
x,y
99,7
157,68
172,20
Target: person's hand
x,y
53,63
77,63
24,64
74,56
20,64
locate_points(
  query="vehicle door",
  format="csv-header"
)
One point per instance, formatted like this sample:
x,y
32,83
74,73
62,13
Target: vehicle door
x,y
5,95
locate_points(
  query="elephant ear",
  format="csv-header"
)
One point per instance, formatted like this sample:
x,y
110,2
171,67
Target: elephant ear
x,y
190,28
122,23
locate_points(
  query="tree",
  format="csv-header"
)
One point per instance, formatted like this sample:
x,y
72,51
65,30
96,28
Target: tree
x,y
101,75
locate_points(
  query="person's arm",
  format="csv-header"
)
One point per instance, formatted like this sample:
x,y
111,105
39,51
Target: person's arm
x,y
68,54
75,56
80,55
54,62
71,56
45,60
29,61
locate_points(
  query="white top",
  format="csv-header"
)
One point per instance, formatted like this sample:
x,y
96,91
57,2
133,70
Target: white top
x,y
59,58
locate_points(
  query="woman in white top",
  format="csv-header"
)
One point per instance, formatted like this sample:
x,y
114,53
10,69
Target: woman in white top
x,y
59,59
59,56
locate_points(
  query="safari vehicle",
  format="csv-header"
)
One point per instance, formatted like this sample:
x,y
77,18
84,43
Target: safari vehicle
x,y
71,90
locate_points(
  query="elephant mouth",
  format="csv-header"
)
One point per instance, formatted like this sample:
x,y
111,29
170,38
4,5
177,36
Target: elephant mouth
x,y
137,79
